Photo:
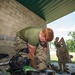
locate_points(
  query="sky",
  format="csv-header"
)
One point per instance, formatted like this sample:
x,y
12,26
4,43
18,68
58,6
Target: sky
x,y
63,26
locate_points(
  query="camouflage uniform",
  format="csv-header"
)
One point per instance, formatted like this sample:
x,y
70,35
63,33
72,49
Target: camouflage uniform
x,y
40,56
30,35
63,55
20,44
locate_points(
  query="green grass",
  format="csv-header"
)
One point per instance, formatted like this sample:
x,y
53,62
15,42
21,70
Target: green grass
x,y
73,59
55,59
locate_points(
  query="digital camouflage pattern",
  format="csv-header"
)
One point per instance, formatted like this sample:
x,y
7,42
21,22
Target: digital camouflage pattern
x,y
62,54
40,57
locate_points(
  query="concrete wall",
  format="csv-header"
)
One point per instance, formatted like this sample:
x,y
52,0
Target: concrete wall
x,y
14,17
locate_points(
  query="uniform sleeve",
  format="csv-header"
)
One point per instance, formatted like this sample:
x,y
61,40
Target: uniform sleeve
x,y
32,40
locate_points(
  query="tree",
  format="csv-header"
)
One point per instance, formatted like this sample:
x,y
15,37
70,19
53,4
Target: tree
x,y
72,34
71,42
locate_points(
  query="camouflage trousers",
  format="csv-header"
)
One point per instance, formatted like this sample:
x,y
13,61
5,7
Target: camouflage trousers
x,y
63,58
39,58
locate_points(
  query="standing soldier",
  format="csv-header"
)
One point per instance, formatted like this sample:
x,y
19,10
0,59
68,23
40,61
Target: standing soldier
x,y
62,54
